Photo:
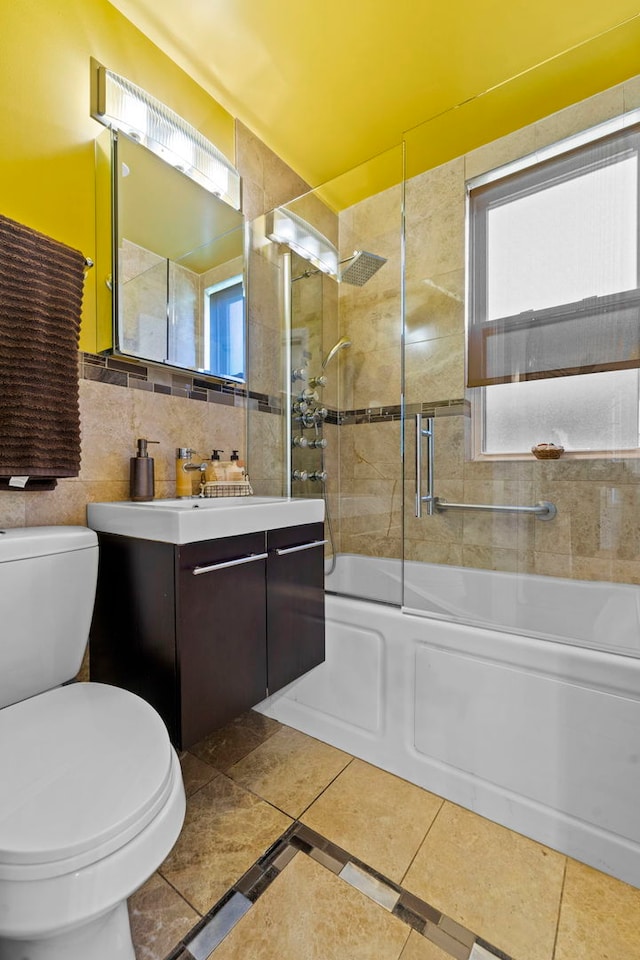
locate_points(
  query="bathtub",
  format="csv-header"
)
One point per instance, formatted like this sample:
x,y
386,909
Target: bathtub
x,y
542,737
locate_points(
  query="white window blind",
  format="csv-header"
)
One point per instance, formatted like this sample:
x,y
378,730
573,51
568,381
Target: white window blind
x,y
553,258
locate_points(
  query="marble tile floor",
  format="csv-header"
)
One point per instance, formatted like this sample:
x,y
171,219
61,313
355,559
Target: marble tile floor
x,y
294,850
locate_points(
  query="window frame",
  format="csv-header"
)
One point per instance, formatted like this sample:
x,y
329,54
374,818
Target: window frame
x,y
570,146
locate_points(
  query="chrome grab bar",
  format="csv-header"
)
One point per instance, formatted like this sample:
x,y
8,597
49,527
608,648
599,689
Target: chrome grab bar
x,y
282,551
542,510
229,563
428,498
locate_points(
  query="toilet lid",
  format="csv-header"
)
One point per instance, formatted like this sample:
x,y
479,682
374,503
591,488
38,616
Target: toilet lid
x,y
82,767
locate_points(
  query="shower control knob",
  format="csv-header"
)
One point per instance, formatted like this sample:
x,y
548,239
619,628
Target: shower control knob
x,y
318,475
318,444
301,442
299,475
318,382
306,419
312,418
300,406
298,375
309,396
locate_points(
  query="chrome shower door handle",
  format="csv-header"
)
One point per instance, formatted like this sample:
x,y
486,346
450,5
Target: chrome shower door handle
x,y
425,430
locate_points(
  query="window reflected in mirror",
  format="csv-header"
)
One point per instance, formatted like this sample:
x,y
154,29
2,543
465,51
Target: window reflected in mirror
x,y
224,328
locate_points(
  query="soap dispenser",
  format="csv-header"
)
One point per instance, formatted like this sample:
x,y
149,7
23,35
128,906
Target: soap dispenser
x,y
141,479
214,470
235,472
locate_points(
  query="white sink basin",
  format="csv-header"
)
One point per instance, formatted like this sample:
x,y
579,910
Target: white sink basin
x,y
187,521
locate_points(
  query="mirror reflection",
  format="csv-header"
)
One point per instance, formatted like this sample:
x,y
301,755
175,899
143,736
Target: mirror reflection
x,y
178,267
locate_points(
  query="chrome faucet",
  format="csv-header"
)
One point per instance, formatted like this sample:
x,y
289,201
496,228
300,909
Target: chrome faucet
x,y
185,453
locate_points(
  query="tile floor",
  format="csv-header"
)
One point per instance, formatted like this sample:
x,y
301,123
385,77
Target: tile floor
x,y
293,850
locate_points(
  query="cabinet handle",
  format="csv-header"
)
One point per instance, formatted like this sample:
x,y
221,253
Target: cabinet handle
x,y
303,546
229,563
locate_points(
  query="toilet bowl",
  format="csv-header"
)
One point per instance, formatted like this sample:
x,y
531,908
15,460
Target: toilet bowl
x,y
91,794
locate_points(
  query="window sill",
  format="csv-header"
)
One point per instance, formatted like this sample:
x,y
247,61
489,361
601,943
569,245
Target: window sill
x,y
567,455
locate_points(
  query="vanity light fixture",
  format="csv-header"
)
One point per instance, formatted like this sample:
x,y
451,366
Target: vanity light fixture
x,y
118,103
283,226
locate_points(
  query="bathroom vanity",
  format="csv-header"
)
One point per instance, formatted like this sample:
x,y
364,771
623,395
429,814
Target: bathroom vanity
x,y
205,629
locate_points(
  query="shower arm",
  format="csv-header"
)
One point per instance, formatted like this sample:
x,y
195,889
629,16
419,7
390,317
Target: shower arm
x,y
542,510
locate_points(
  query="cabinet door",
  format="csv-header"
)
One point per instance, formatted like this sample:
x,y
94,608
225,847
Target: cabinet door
x,y
132,639
221,631
295,602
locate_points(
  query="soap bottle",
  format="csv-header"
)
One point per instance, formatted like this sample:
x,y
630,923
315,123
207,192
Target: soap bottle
x,y
214,469
235,473
184,486
141,479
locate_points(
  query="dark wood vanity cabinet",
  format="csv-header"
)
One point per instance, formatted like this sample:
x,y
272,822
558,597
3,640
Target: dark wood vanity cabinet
x,y
203,631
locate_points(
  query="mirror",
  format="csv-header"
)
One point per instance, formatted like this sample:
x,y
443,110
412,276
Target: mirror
x,y
178,259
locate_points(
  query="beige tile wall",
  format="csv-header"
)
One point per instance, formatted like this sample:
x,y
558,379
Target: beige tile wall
x,y
370,509
371,315
112,417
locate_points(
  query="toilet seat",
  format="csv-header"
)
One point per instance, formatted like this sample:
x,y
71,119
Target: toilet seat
x,y
85,768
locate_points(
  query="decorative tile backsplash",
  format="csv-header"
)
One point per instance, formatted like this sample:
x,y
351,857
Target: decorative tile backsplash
x,y
138,376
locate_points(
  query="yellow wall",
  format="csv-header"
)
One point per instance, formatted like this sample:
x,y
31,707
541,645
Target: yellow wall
x,y
46,131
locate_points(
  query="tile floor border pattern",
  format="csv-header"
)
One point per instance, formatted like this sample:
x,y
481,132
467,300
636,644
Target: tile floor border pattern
x,y
426,920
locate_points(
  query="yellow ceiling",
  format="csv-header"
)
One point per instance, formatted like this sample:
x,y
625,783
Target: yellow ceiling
x,y
331,84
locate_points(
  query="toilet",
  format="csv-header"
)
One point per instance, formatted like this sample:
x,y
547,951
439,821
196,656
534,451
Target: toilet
x,y
91,793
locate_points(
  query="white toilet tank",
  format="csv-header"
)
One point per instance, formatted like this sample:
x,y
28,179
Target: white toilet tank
x,y
47,588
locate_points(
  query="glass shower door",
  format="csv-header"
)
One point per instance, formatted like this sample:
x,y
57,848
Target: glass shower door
x,y
344,337
472,524
436,412
521,535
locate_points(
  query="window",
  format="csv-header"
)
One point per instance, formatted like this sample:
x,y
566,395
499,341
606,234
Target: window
x,y
224,340
554,304
592,412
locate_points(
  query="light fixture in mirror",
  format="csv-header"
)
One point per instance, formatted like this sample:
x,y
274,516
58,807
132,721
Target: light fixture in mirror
x,y
284,226
178,267
120,104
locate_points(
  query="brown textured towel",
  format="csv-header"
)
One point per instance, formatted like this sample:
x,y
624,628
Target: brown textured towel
x,y
41,286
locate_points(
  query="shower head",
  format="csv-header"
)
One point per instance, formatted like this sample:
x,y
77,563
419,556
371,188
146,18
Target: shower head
x,y
362,266
342,343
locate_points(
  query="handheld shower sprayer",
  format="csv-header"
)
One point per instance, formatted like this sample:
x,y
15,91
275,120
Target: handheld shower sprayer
x,y
342,343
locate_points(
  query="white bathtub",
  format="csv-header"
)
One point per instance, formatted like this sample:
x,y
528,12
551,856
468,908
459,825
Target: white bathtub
x,y
603,616
541,737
